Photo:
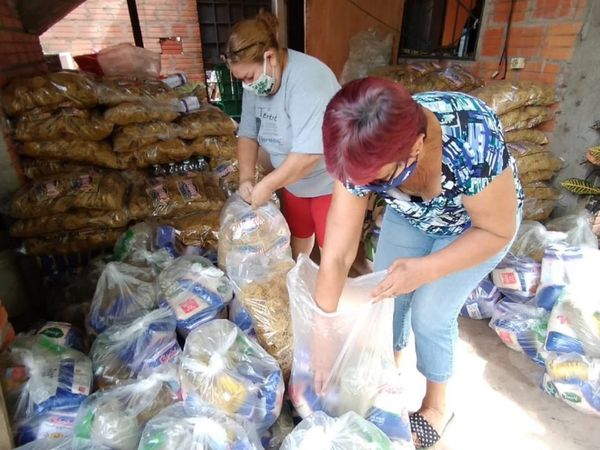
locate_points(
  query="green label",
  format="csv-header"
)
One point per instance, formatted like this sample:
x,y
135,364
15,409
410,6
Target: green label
x,y
571,397
551,389
53,332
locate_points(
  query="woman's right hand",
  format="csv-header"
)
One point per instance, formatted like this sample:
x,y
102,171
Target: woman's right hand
x,y
245,191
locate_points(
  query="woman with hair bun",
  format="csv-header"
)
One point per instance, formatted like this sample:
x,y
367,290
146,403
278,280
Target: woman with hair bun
x,y
285,96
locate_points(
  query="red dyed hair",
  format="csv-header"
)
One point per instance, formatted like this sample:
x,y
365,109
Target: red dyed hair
x,y
369,123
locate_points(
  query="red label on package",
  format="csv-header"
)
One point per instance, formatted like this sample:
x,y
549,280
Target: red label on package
x,y
509,278
188,190
47,190
82,183
189,305
159,195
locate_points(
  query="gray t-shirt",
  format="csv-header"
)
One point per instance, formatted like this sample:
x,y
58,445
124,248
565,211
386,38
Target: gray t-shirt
x,y
290,121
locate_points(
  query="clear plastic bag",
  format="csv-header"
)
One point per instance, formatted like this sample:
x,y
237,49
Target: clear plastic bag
x,y
133,348
368,49
208,121
480,303
577,228
78,151
575,380
274,437
504,96
137,246
122,290
194,290
39,168
222,367
162,153
115,417
350,431
199,427
526,117
199,229
357,357
130,113
55,425
64,334
517,278
130,61
133,137
125,89
241,317
62,444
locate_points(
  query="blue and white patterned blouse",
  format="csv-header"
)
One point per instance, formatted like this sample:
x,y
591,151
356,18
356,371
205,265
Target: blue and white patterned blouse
x,y
473,154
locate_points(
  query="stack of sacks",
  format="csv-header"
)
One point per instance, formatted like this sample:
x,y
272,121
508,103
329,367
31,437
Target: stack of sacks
x,y
429,76
522,106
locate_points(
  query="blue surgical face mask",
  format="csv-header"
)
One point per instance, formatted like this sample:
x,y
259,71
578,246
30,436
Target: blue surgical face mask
x,y
262,86
381,187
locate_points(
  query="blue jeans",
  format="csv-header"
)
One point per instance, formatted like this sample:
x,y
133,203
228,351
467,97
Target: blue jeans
x,y
433,308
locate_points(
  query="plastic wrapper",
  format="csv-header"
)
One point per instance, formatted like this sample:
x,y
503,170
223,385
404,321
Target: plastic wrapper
x,y
530,135
51,425
577,228
532,240
209,121
68,123
522,327
222,367
480,303
128,60
575,380
525,148
245,232
199,427
219,147
535,162
72,242
175,195
129,113
368,49
345,432
122,290
540,191
134,348
71,221
61,192
241,317
40,168
128,89
63,334
517,277
526,117
51,90
201,229
162,153
76,151
452,78
62,444
137,246
538,209
115,417
504,96
357,357
132,137
194,290
38,376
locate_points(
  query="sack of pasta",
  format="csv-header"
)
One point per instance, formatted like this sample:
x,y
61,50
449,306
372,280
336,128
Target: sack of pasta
x,y
175,195
245,231
67,123
480,303
39,168
162,153
72,242
135,347
575,379
198,229
138,247
223,368
344,432
52,425
452,78
200,427
116,416
262,291
129,113
216,147
75,151
39,375
194,290
208,121
51,91
341,362
122,290
62,192
529,135
504,96
132,137
126,89
525,117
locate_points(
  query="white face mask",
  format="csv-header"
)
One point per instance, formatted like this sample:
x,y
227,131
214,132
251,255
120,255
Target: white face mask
x,y
263,86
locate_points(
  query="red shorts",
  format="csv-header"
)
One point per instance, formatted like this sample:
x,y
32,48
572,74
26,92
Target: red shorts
x,y
306,216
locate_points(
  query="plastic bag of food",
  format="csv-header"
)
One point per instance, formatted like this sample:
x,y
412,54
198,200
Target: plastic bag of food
x,y
451,78
134,348
116,416
241,317
130,61
72,242
83,152
67,123
208,121
128,89
194,290
137,247
39,375
538,209
61,192
577,227
504,96
368,49
200,229
574,379
218,147
530,135
175,195
54,425
222,367
526,117
357,357
345,432
162,153
480,303
122,290
129,113
517,277
62,444
51,90
39,168
245,231
63,334
133,137
522,327
261,288
199,427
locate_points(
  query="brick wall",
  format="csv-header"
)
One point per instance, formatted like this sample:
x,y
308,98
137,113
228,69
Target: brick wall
x,y
99,23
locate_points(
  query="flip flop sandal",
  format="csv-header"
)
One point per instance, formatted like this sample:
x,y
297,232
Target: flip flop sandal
x,y
426,434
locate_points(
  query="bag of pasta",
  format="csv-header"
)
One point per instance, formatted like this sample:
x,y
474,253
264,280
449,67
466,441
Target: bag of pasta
x,y
217,147
40,168
52,425
129,113
199,229
128,89
67,123
162,153
72,242
525,117
135,136
84,152
209,121
504,96
223,368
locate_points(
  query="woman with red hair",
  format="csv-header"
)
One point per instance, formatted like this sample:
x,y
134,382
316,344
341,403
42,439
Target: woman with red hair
x,y
453,205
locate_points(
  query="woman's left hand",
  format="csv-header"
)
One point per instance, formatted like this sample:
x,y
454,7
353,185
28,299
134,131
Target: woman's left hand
x,y
404,276
261,194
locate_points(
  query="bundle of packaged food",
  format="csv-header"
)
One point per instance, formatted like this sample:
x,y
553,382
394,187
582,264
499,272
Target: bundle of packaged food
x,y
39,168
138,247
341,433
197,229
505,96
223,368
202,427
356,358
134,348
116,416
122,290
480,303
40,376
52,425
208,121
194,291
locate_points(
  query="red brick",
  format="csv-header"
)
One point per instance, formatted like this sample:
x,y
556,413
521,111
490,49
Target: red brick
x,y
557,53
553,9
547,127
502,9
565,29
526,36
552,68
567,41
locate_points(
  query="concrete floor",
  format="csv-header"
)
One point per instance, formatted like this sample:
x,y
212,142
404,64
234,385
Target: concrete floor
x,y
498,402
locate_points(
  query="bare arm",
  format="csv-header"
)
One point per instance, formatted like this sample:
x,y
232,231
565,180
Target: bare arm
x,y
344,226
247,154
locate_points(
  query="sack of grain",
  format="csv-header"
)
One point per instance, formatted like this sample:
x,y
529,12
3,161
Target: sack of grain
x,y
541,191
210,121
162,153
128,113
538,162
85,152
504,96
530,135
526,117
114,91
197,229
72,242
452,78
132,137
215,147
38,168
